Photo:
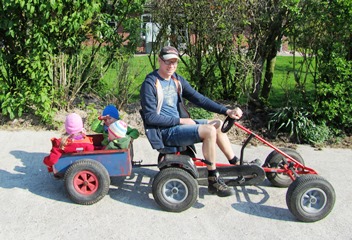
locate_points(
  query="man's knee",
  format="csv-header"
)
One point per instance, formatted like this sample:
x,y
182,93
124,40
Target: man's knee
x,y
217,123
207,131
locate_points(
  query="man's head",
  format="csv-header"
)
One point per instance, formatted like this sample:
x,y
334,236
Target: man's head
x,y
168,53
168,60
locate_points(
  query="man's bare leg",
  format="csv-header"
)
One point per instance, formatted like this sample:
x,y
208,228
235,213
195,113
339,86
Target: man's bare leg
x,y
216,185
208,134
222,140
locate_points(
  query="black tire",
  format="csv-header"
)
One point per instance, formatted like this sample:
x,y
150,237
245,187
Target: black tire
x,y
86,181
276,160
174,189
310,198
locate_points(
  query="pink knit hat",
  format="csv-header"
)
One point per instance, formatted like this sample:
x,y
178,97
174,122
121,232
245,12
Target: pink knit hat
x,y
73,123
117,129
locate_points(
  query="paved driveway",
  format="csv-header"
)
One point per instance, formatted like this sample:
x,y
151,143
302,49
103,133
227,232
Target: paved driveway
x,y
34,204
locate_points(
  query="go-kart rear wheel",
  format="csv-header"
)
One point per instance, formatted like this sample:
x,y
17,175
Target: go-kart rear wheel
x,y
86,181
276,160
174,189
310,198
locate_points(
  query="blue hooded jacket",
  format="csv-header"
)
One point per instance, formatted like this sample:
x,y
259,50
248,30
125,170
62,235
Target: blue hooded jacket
x,y
149,103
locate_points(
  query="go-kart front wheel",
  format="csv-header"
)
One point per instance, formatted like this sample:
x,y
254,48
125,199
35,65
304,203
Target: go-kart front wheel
x,y
276,160
174,189
87,181
310,198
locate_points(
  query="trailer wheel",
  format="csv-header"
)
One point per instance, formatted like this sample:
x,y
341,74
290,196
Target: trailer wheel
x,y
86,181
174,189
310,198
276,160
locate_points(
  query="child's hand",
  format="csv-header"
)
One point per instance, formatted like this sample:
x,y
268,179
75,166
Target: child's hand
x,y
106,117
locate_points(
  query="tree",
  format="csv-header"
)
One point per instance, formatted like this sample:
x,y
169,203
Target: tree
x,y
323,28
206,32
267,23
43,58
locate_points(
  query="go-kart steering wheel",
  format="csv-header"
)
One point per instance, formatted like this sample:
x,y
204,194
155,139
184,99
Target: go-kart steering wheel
x,y
228,123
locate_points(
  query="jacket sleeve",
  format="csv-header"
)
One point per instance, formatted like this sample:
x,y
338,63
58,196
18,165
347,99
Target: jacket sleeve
x,y
149,103
189,93
97,126
132,132
55,153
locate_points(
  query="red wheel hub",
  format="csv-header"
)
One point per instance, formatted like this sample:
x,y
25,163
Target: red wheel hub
x,y
85,182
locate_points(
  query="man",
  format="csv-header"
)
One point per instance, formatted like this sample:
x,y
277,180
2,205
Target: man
x,y
164,127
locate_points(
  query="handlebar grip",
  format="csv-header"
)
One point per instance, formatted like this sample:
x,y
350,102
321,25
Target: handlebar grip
x,y
228,123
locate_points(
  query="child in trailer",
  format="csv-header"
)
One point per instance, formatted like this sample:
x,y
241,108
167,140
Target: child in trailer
x,y
109,116
117,135
74,140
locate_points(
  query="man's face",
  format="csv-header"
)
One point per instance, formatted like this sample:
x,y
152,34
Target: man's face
x,y
167,67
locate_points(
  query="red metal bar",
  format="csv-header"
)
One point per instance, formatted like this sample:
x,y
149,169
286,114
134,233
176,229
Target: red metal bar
x,y
272,146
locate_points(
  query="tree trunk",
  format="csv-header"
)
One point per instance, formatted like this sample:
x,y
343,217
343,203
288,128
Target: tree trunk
x,y
268,79
257,79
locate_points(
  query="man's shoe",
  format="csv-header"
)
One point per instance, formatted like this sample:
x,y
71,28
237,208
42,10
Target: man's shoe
x,y
236,161
216,185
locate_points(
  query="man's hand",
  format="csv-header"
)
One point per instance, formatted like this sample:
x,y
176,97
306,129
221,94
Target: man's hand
x,y
234,113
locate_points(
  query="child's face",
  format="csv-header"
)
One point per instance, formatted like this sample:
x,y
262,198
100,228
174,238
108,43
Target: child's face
x,y
109,120
111,136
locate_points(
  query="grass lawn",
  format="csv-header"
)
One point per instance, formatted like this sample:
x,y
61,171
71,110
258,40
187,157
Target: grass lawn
x,y
282,87
284,84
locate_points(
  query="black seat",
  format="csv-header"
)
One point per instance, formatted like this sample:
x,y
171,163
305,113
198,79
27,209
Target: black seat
x,y
184,150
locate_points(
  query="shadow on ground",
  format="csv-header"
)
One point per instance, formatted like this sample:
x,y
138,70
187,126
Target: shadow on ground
x,y
33,176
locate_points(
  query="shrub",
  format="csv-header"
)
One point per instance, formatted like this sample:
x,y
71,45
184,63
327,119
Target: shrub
x,y
316,133
200,113
291,120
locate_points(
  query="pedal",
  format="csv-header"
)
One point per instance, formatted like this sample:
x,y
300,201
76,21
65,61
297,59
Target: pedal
x,y
235,182
241,180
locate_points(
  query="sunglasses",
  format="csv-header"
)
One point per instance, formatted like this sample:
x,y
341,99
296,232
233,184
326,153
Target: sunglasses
x,y
168,62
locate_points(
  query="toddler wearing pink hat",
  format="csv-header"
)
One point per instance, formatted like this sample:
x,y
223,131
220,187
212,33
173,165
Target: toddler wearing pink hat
x,y
117,130
75,140
117,135
74,124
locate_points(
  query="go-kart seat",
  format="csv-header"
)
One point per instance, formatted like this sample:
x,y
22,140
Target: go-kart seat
x,y
184,150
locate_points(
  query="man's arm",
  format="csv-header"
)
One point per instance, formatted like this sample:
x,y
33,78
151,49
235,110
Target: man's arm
x,y
200,100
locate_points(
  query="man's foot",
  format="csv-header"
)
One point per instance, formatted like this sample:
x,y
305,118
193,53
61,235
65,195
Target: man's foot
x,y
216,185
236,161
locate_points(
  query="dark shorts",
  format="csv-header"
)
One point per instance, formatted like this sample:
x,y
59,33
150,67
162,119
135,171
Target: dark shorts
x,y
182,135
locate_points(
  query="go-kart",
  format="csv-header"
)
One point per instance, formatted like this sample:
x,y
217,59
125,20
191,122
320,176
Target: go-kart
x,y
175,187
309,196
